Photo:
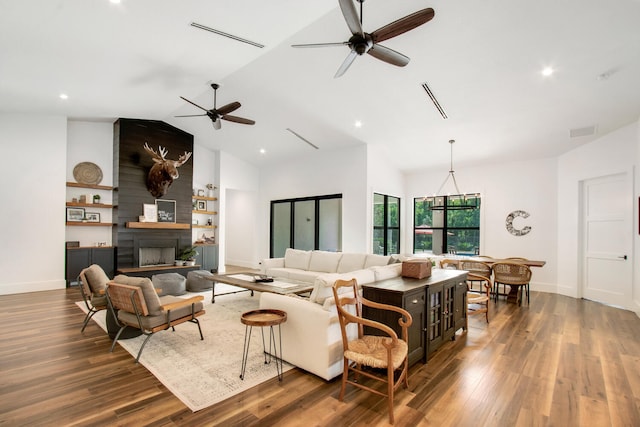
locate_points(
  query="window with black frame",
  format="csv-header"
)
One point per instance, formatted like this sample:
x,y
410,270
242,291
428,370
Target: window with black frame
x,y
386,224
447,224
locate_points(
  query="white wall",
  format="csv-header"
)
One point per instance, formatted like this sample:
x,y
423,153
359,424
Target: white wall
x,y
520,185
320,173
238,181
613,153
33,209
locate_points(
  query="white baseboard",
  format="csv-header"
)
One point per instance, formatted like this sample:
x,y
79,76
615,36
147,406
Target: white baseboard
x,y
21,288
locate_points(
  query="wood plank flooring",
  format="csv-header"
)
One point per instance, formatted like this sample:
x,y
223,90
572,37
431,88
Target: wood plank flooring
x,y
558,362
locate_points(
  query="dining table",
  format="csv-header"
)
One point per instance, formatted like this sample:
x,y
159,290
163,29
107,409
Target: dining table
x,y
513,292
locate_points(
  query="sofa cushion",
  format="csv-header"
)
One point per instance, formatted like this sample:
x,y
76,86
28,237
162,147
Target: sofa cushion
x,y
149,292
97,279
322,286
383,272
351,262
373,260
324,261
296,258
303,275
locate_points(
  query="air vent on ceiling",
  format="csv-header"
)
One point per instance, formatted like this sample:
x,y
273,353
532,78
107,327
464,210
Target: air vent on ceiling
x,y
231,36
434,100
585,131
304,139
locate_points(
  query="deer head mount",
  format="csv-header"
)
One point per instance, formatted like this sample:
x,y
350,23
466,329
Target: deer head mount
x,y
163,171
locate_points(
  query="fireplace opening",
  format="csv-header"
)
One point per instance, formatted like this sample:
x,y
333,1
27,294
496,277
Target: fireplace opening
x,y
156,257
155,252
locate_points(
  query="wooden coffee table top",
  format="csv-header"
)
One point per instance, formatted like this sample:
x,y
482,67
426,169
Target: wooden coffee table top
x,y
246,280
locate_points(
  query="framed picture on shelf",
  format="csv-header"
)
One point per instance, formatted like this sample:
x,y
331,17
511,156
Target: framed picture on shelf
x,y
75,214
202,205
166,210
150,212
92,216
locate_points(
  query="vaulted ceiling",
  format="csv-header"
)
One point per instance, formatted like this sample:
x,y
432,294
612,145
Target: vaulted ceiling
x,y
481,60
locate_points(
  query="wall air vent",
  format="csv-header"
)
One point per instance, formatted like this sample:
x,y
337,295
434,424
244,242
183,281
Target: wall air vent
x,y
304,139
585,131
434,100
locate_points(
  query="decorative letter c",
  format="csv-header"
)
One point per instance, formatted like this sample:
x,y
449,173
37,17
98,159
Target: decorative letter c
x,y
509,223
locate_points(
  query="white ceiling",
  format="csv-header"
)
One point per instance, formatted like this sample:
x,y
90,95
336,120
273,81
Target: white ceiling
x,y
482,60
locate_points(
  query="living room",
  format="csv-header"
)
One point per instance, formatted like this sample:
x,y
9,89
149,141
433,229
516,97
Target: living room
x,y
539,169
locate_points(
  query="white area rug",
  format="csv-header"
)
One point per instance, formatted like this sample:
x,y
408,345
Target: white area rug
x,y
201,373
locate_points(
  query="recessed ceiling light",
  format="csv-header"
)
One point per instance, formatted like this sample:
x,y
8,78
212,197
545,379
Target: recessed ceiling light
x,y
547,71
358,124
263,151
64,96
115,1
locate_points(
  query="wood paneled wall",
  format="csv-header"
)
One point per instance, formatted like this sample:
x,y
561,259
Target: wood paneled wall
x,y
130,169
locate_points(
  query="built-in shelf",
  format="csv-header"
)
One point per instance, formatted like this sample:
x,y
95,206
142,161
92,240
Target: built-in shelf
x,y
204,226
205,212
94,186
89,224
159,225
212,199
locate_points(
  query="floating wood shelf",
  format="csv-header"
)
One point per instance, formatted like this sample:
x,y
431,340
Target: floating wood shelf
x,y
89,205
90,224
129,270
159,225
203,226
205,212
212,199
94,186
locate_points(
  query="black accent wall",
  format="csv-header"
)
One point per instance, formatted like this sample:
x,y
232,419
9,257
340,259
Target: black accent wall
x,y
131,167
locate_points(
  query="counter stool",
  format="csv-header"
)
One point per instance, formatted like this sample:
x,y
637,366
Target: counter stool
x,y
264,317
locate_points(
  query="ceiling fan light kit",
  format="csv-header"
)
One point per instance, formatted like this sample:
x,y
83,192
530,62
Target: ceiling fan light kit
x,y
361,42
222,113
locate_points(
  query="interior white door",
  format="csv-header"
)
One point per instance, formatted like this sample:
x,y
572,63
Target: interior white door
x,y
607,239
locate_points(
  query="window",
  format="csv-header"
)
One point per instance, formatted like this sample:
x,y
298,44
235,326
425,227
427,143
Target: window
x,y
447,224
386,224
306,223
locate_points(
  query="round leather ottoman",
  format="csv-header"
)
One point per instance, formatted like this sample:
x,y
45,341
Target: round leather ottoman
x,y
170,283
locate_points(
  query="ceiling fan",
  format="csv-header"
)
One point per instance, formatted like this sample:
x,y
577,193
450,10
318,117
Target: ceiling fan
x,y
222,113
361,42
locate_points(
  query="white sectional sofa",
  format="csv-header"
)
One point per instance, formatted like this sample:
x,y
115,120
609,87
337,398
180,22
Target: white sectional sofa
x,y
311,338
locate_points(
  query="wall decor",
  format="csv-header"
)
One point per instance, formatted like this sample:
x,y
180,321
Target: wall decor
x,y
509,223
92,216
201,206
87,173
166,210
163,171
75,214
150,212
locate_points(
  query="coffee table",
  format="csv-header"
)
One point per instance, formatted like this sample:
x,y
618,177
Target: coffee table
x,y
246,280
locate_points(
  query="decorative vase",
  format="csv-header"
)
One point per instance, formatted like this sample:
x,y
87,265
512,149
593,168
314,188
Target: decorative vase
x,y
210,193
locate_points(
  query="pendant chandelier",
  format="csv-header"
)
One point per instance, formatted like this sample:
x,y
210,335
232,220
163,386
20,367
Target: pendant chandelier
x,y
465,201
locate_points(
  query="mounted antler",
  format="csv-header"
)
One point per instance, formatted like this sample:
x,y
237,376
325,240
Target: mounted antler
x,y
164,171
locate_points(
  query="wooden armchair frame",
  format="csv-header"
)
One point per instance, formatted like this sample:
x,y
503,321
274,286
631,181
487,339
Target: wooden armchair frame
x,y
384,350
475,299
131,299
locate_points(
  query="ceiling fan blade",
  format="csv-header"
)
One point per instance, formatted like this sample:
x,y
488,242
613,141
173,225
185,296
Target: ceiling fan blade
x,y
192,115
192,103
216,124
403,25
346,63
237,119
351,16
320,44
388,55
228,108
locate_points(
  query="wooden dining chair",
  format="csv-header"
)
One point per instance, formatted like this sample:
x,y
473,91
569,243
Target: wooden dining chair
x,y
384,351
478,269
512,274
478,303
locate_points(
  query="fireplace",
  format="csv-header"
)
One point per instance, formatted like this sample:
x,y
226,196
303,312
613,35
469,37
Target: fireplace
x,y
155,252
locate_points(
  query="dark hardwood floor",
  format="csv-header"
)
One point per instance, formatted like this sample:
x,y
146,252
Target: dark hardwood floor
x,y
558,362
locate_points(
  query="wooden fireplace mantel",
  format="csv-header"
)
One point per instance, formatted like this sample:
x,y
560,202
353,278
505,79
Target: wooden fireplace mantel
x,y
159,225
